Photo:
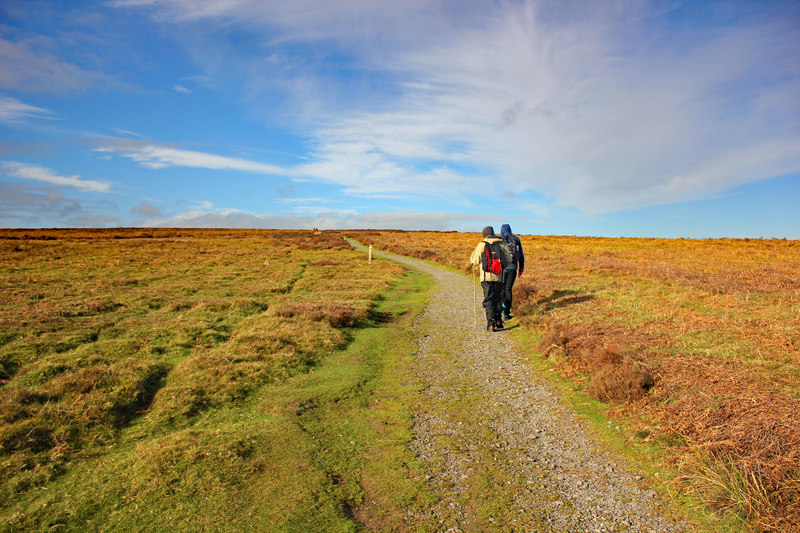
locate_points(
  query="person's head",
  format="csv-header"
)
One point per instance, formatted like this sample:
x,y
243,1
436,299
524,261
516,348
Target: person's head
x,y
488,231
505,229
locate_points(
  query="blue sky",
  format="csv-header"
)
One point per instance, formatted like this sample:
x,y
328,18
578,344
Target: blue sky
x,y
613,118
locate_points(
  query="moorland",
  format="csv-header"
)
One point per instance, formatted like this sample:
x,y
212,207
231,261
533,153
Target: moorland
x,y
691,343
190,380
150,375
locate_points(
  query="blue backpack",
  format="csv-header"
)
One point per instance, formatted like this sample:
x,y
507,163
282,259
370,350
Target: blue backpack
x,y
510,242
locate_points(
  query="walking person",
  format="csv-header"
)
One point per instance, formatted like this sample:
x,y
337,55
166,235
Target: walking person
x,y
513,269
491,257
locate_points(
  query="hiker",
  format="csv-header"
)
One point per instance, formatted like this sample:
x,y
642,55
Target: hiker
x,y
491,248
514,268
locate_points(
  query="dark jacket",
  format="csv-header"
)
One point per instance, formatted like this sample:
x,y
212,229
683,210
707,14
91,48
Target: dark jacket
x,y
511,240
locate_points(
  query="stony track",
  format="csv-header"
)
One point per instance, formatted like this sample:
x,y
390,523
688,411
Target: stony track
x,y
502,450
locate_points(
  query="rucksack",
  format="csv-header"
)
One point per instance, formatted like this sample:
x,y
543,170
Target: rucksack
x,y
492,258
511,245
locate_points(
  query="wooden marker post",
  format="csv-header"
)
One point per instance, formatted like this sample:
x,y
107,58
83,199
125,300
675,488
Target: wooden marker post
x,y
370,253
474,297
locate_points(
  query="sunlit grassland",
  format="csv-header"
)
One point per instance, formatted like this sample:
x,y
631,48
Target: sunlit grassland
x,y
692,345
201,380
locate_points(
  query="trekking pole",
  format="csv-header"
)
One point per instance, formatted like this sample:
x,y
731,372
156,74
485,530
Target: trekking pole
x,y
474,298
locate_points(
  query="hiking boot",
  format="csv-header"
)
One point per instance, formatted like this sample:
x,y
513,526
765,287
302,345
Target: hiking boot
x,y
507,316
490,327
499,326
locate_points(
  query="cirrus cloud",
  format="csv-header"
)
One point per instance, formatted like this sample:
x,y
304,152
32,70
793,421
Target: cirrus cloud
x,y
25,69
157,156
38,173
600,106
13,111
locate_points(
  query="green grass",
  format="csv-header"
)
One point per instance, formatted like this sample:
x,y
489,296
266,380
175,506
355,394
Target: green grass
x,y
159,384
315,439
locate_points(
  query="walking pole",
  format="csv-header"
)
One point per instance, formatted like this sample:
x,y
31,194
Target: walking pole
x,y
474,297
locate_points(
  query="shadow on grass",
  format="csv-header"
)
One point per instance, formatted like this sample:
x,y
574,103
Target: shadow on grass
x,y
375,317
563,298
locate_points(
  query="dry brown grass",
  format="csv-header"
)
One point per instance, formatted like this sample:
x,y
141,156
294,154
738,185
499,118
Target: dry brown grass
x,y
621,382
693,342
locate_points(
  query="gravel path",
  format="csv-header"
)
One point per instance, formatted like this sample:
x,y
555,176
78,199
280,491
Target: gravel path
x,y
502,450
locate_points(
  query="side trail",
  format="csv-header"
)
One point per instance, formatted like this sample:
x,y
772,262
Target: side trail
x,y
501,450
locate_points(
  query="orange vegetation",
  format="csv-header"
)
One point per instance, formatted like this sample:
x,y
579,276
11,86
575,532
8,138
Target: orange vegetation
x,y
694,342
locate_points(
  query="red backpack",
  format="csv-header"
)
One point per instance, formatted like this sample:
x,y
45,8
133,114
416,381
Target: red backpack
x,y
492,258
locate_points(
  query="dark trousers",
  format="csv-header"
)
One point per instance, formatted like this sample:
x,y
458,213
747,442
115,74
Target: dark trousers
x,y
509,277
492,300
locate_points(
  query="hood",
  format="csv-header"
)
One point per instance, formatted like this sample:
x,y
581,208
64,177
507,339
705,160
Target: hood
x,y
505,229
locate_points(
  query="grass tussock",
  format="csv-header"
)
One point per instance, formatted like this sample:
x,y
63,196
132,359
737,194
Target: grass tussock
x,y
724,484
337,314
624,382
694,343
747,452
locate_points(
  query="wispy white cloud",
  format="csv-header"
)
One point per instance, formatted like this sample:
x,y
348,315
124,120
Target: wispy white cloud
x,y
127,132
24,69
35,172
181,89
314,206
204,205
314,20
306,201
156,156
392,155
578,114
600,108
345,219
13,111
603,107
